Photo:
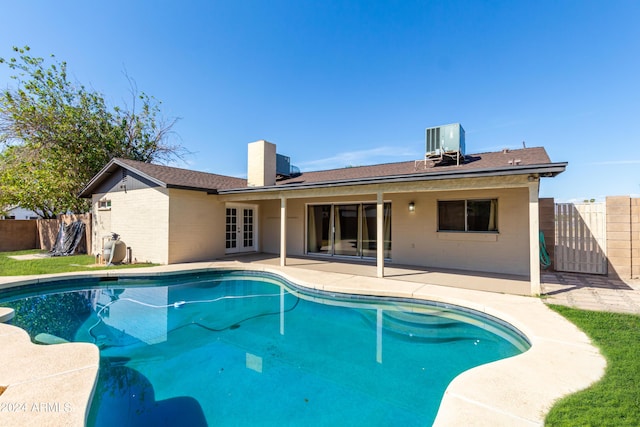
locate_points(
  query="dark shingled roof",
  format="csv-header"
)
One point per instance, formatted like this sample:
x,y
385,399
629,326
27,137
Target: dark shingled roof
x,y
494,162
167,176
185,178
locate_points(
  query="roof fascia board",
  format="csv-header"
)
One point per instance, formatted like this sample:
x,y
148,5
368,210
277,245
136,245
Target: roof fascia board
x,y
374,188
186,187
553,168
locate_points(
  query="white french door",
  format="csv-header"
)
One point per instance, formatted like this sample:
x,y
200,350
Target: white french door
x,y
241,229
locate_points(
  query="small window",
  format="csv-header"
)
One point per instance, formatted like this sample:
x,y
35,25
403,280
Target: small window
x,y
104,204
468,215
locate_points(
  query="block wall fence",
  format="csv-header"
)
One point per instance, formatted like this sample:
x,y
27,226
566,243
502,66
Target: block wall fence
x,y
623,236
21,234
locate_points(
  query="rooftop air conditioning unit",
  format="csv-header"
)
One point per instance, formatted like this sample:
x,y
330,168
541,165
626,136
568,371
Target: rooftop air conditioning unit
x,y
445,142
283,165
284,168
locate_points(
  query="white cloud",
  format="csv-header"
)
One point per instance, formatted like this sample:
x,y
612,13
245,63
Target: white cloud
x,y
384,154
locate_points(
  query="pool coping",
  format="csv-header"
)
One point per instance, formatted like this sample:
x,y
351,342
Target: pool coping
x,y
517,391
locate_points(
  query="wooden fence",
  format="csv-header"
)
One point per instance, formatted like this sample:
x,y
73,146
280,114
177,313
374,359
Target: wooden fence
x,y
581,238
16,235
619,248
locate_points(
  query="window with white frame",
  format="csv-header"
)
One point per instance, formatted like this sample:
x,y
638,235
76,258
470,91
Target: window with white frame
x,y
468,215
104,204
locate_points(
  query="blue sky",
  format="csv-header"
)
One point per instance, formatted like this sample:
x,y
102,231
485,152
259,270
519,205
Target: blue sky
x,y
345,83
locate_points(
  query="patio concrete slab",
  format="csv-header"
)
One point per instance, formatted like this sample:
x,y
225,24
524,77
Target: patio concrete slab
x,y
591,292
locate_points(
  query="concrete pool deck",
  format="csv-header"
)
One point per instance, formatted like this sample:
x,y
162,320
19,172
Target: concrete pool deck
x,y
517,391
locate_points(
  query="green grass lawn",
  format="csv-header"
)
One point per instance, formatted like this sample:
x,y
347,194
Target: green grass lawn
x,y
615,399
13,267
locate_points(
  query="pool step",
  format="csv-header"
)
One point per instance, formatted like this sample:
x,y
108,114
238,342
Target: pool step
x,y
432,327
44,338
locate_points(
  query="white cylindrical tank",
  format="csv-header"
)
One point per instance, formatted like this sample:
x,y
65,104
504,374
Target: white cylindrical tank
x,y
115,250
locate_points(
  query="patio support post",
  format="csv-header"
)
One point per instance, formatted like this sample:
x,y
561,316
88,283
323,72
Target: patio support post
x,y
283,231
534,238
380,236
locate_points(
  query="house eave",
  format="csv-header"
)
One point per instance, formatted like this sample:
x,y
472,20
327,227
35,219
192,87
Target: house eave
x,y
542,170
107,171
186,187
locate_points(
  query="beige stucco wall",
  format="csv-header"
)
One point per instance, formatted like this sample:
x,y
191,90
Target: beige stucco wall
x,y
261,165
171,226
269,213
140,217
415,239
196,226
269,231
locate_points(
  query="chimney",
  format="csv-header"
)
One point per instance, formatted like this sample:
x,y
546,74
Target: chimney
x,y
261,165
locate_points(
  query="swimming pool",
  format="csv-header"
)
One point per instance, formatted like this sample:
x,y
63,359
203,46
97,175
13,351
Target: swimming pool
x,y
239,348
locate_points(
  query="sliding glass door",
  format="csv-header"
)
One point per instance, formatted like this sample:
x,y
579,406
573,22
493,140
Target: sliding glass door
x,y
319,229
346,239
347,229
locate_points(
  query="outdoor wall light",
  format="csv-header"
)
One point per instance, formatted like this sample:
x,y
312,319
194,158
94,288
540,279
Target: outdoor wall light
x,y
412,207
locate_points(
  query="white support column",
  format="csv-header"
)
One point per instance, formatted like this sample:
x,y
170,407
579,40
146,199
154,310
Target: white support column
x,y
534,238
283,231
380,236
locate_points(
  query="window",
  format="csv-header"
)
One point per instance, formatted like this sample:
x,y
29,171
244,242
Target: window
x,y
468,215
104,204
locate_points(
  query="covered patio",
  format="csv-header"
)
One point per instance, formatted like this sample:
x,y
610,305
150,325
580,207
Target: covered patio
x,y
463,279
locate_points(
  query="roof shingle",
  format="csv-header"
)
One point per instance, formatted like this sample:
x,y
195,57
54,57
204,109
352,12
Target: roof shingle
x,y
189,179
492,160
186,178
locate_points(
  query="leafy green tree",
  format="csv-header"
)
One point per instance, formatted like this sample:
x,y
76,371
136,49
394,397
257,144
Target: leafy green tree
x,y
55,135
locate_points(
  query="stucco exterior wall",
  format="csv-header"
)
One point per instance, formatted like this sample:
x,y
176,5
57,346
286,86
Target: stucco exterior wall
x,y
269,212
416,241
196,226
140,217
269,217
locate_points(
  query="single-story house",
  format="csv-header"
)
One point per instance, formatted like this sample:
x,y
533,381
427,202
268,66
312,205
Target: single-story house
x,y
478,213
17,212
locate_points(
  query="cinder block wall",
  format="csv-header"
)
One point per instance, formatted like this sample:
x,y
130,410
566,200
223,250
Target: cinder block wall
x,y
17,235
623,236
635,238
546,208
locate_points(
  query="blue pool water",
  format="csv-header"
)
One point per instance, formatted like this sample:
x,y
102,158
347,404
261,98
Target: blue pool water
x,y
242,348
